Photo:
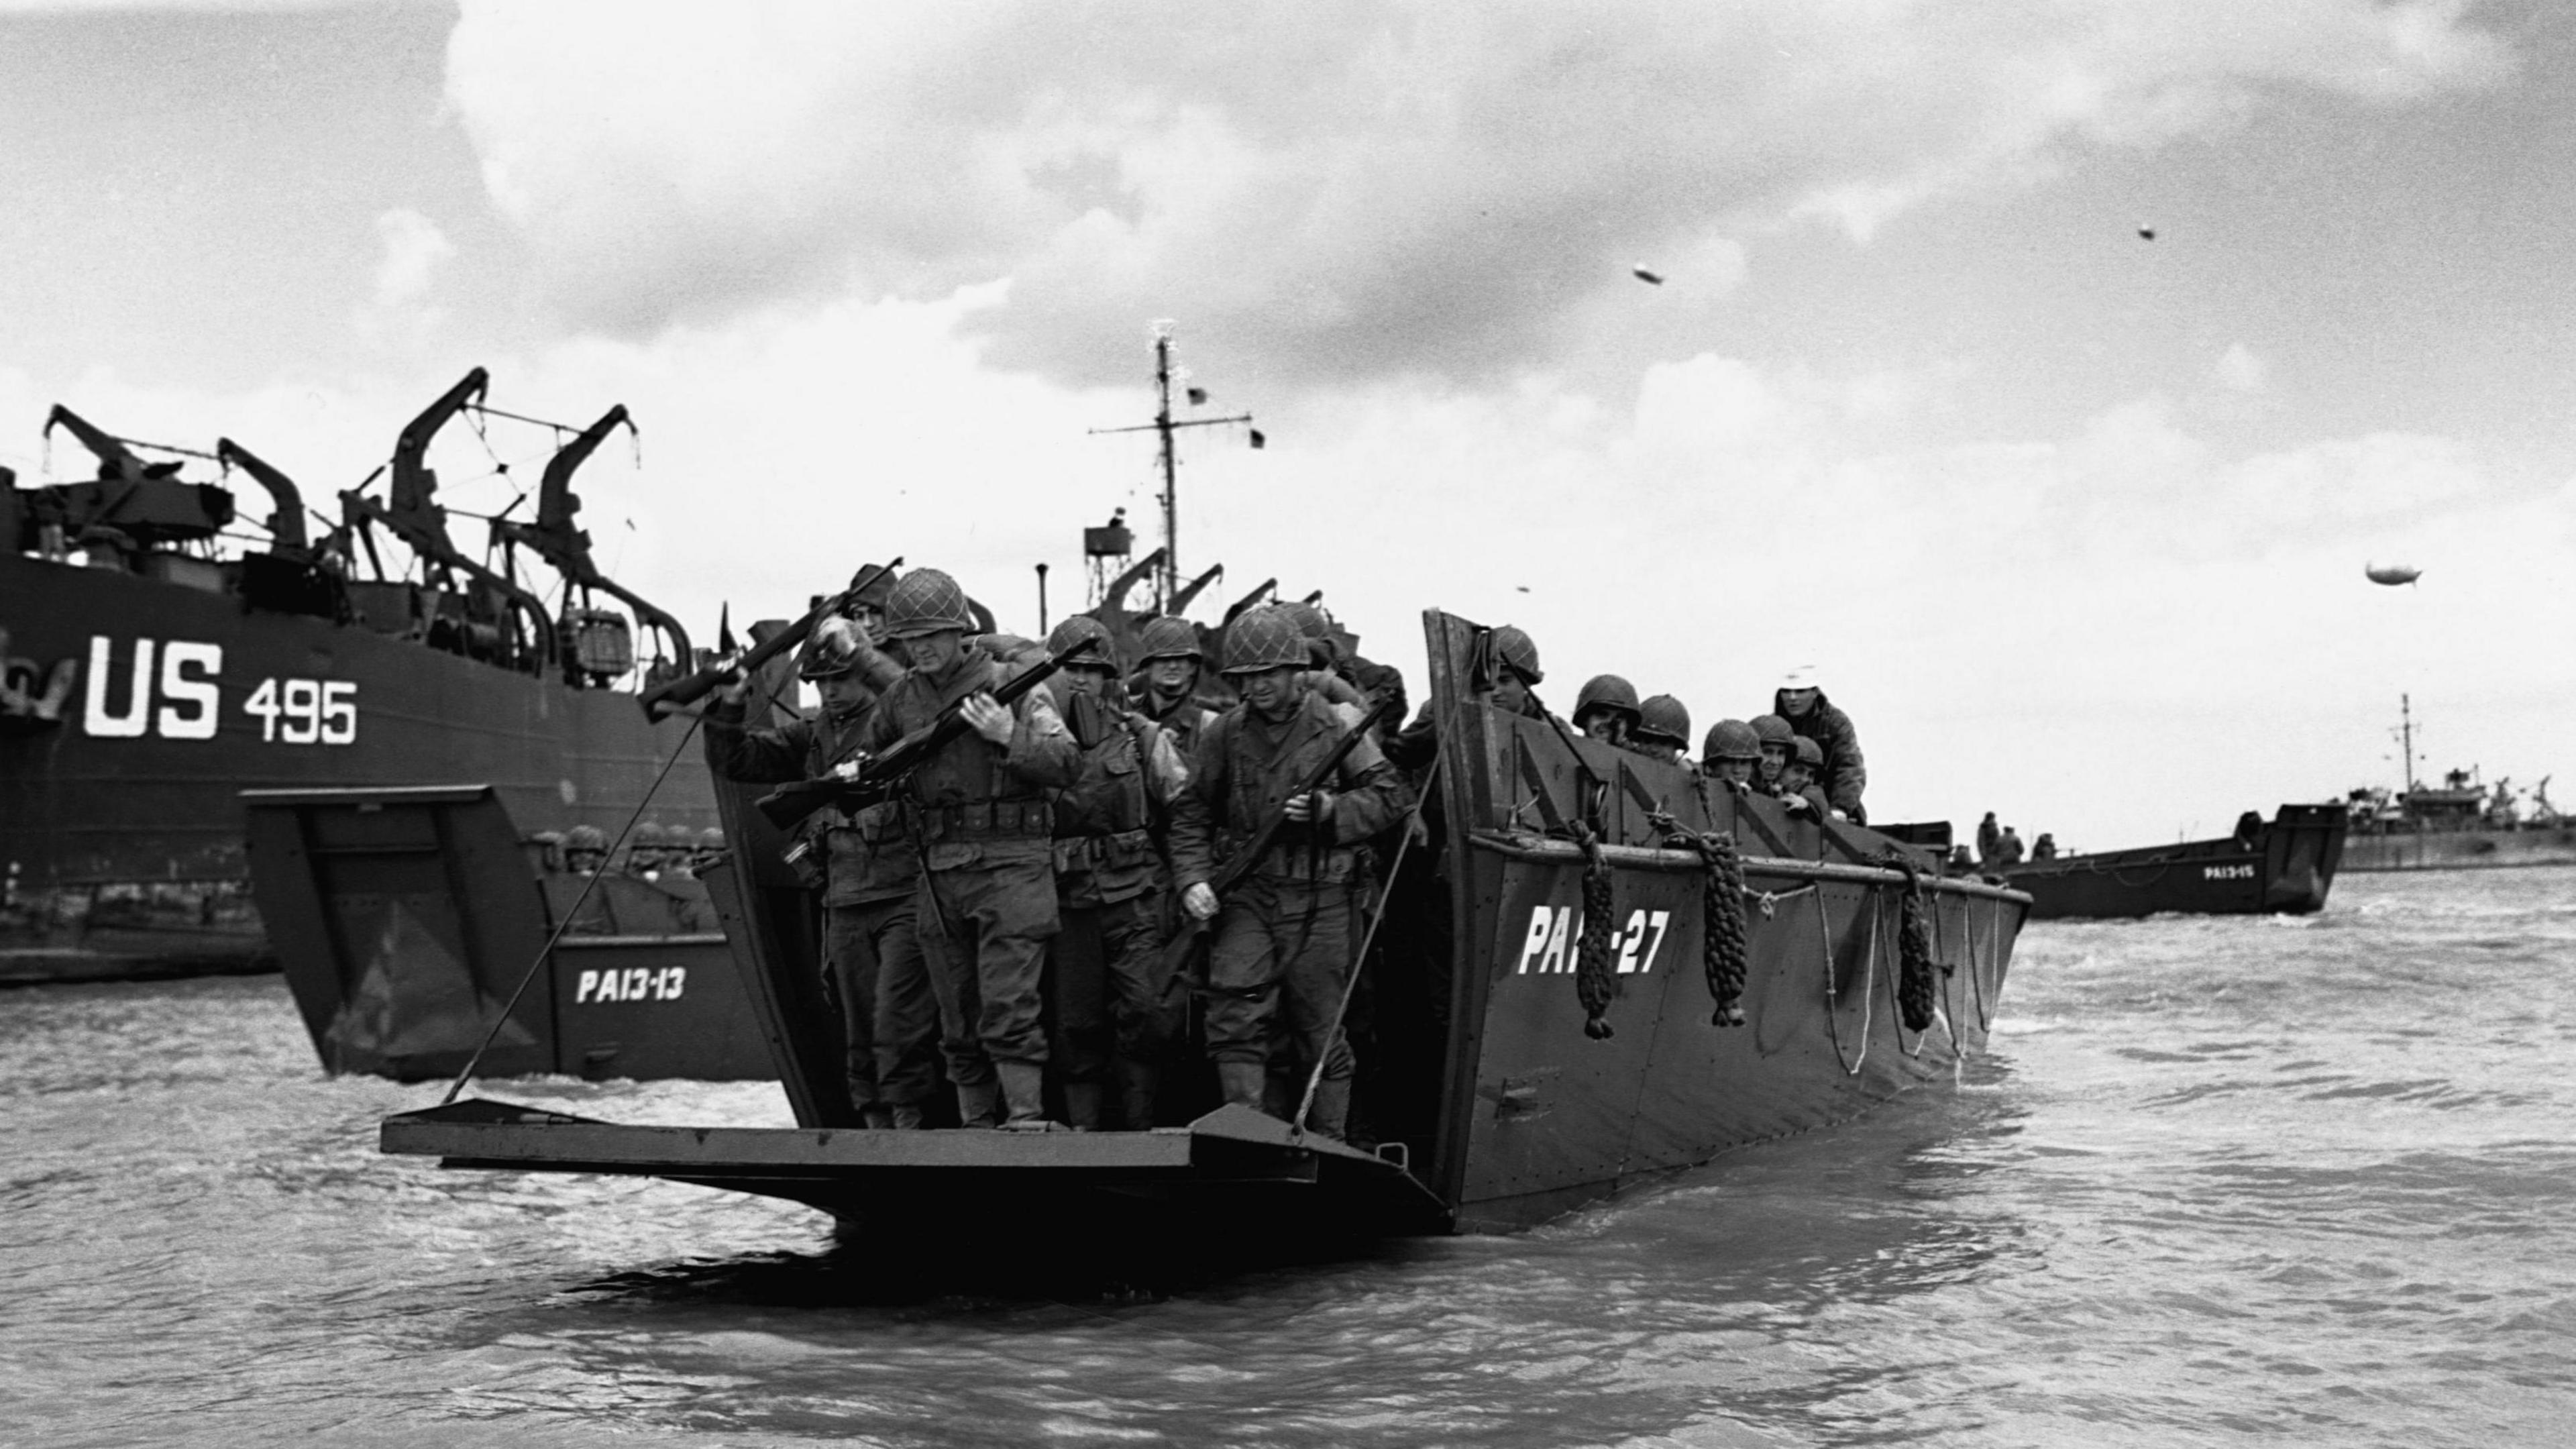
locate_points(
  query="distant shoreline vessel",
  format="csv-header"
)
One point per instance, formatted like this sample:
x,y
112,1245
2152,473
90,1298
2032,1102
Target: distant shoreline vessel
x,y
157,662
2459,825
2281,867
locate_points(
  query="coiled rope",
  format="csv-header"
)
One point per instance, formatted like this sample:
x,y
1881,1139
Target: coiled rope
x,y
1592,969
1916,988
1725,937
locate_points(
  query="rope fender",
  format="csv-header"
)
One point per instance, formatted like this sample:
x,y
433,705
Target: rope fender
x,y
1592,969
1916,986
1724,934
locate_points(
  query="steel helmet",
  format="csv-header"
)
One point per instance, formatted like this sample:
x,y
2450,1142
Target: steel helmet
x,y
1810,754
1605,691
1731,739
649,836
1664,718
1079,629
1773,730
1310,620
711,838
1514,648
833,649
585,837
1165,637
927,601
1265,638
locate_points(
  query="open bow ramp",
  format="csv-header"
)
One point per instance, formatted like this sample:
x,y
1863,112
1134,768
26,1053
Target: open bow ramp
x,y
1233,1166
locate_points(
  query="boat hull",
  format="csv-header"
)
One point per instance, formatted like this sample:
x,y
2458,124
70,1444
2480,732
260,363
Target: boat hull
x,y
1494,1105
120,834
409,920
2460,849
2287,870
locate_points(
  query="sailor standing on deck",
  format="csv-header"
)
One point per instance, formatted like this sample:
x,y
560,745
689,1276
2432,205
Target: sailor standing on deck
x,y
1284,932
1105,967
865,864
1801,700
980,813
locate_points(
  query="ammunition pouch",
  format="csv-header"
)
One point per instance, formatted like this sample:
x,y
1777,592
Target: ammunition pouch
x,y
985,820
1106,869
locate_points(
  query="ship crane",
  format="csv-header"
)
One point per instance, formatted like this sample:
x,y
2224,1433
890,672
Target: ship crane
x,y
412,514
557,539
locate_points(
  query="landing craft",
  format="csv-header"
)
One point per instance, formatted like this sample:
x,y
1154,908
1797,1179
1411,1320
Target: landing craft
x,y
2391,574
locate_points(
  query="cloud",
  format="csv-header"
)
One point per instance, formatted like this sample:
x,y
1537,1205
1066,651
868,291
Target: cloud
x,y
1369,190
2239,369
414,246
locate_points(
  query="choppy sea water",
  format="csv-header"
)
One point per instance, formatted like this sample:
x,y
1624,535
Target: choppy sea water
x,y
2220,1181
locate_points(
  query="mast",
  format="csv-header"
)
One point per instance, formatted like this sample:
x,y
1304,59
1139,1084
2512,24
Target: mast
x,y
2406,737
1167,578
1167,584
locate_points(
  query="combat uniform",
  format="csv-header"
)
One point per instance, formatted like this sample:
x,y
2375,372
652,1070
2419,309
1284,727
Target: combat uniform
x,y
870,874
1842,776
980,813
1106,972
1284,932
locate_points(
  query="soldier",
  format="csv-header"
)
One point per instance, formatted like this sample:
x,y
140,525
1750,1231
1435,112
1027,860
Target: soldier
x,y
986,905
1775,735
711,848
585,849
1798,779
1663,729
644,851
1369,682
1286,929
2044,848
1110,878
865,865
1802,700
1512,658
1730,753
1605,709
1170,670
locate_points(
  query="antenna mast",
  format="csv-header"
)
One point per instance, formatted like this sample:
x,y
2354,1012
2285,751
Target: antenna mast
x,y
1167,581
2406,737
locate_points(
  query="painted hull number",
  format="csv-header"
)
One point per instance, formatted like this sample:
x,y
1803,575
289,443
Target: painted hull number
x,y
635,983
2227,872
1549,947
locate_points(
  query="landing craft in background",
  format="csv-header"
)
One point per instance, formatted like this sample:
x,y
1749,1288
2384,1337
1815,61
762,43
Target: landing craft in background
x,y
2391,574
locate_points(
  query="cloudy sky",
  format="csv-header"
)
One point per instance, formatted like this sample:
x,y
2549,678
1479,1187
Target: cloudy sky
x,y
2074,521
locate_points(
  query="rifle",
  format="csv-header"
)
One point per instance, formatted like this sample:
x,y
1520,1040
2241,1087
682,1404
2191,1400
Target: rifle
x,y
1234,870
877,778
665,698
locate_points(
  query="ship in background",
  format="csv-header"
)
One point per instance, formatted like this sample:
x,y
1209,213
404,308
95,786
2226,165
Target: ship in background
x,y
157,664
2461,824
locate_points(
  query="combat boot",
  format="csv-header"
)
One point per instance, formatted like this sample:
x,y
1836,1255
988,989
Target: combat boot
x,y
1082,1105
877,1116
1024,1089
979,1104
1332,1109
1137,1083
1243,1082
907,1117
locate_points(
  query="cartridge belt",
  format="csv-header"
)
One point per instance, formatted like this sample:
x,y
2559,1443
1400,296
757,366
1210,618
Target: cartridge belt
x,y
987,820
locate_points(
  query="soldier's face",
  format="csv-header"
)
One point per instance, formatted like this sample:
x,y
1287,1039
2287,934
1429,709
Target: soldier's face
x,y
1171,676
1739,771
1511,691
1087,681
842,692
1271,690
1774,758
1797,701
933,653
1794,775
